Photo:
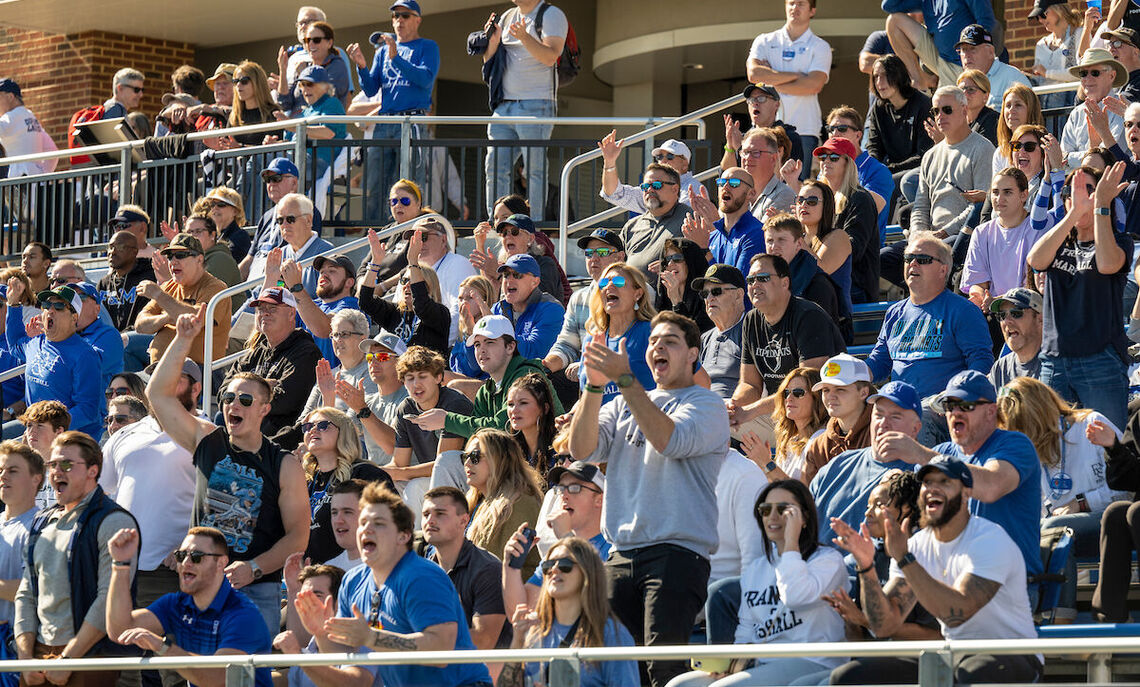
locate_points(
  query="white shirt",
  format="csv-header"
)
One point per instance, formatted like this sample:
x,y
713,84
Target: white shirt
x,y
982,549
1081,470
1056,59
1075,137
147,473
738,484
343,562
21,134
452,269
808,53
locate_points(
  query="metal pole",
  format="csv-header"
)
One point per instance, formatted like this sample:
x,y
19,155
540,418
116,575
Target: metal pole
x,y
299,157
935,669
240,675
565,672
406,148
124,177
1100,669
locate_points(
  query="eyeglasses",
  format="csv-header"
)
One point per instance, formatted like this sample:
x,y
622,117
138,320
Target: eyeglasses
x,y
243,80
195,556
795,393
117,391
402,200
54,305
229,396
970,90
573,488
832,157
564,565
945,109
675,258
378,357
758,100
179,254
732,183
1028,146
313,39
810,201
716,292
617,280
762,278
664,156
952,404
1095,73
473,456
754,154
1015,313
920,258
765,509
320,425
116,419
136,89
657,185
64,465
274,178
344,335
599,252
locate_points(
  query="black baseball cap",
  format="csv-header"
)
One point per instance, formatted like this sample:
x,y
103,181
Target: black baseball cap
x,y
974,34
767,90
721,273
603,235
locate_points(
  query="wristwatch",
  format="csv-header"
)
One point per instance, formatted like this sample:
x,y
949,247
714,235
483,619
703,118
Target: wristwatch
x,y
167,642
364,412
253,566
906,560
624,381
1103,211
297,288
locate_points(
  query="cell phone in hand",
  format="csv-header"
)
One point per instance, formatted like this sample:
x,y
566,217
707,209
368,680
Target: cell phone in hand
x,y
516,561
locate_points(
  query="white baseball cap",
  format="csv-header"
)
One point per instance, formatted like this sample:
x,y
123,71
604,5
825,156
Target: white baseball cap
x,y
842,370
492,327
676,147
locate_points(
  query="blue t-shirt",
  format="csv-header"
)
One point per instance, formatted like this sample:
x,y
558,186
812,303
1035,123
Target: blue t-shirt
x,y
325,105
945,20
404,81
878,43
416,595
738,246
594,674
599,542
841,488
636,344
1019,511
231,621
874,176
925,345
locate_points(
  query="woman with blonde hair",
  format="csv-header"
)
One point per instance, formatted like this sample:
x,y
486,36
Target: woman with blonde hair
x,y
476,296
330,454
1074,488
620,310
799,417
1019,107
982,118
1057,50
503,491
405,203
227,209
419,316
572,610
855,214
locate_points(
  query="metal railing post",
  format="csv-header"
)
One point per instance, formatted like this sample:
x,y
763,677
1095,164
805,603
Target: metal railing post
x,y
565,672
1100,669
299,157
240,675
647,151
935,669
406,148
125,195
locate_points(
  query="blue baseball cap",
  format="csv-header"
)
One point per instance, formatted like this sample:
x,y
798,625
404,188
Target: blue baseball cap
x,y
967,385
521,263
901,394
86,288
315,74
280,165
949,466
523,222
410,5
10,86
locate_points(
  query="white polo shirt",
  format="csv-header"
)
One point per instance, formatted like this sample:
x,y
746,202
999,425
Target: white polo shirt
x,y
808,53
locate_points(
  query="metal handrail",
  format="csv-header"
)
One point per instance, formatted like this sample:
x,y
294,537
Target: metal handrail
x,y
618,210
209,364
12,373
564,180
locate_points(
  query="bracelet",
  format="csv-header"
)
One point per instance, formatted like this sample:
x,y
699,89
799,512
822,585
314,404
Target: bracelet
x,y
869,568
121,564
609,169
594,389
729,149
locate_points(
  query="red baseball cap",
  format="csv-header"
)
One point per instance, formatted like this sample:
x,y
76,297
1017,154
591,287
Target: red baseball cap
x,y
836,145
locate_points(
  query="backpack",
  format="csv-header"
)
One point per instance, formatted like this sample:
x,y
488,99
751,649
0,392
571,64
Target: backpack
x,y
569,63
92,113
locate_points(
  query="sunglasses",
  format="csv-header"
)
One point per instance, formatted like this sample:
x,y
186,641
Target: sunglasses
x,y
732,183
402,15
112,419
1095,73
118,225
952,404
754,154
136,89
473,456
663,156
1028,146
762,278
675,258
795,393
320,425
657,185
715,292
56,281
378,357
599,252
831,157
220,204
920,258
842,128
313,39
195,556
765,509
179,254
970,90
1015,313
64,465
511,274
287,219
117,391
573,488
617,280
229,397
344,335
564,565
54,305
945,109
1067,190
511,230
403,200
274,178
810,201
243,80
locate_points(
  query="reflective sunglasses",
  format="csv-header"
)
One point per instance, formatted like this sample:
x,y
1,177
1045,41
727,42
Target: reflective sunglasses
x,y
762,278
810,201
112,419
1029,146
402,200
732,183
715,292
573,488
274,178
381,357
765,509
1015,313
117,391
54,305
179,254
564,565
320,425
195,556
229,397
831,157
657,185
675,258
617,280
473,456
344,335
795,393
287,219
920,258
243,80
659,157
952,404
842,128
599,252
1095,73
64,465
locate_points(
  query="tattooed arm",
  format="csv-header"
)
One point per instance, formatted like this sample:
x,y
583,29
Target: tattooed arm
x,y
885,608
952,605
511,676
355,632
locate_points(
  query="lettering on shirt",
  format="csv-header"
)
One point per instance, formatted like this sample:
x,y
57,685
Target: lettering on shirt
x,y
917,339
32,125
780,620
233,502
1072,258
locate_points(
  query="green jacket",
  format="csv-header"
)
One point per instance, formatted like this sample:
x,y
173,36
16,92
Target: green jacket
x,y
491,400
220,263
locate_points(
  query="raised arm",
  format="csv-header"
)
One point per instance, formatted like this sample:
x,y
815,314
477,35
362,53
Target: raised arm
x,y
186,429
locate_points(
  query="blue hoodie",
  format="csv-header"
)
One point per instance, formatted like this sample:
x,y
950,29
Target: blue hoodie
x,y
59,371
108,343
537,327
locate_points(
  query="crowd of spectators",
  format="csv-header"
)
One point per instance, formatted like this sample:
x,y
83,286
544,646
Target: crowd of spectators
x,y
418,449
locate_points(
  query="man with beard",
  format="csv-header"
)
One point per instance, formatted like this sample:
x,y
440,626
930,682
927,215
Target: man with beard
x,y
119,286
150,475
1005,471
733,235
960,568
644,236
335,286
205,617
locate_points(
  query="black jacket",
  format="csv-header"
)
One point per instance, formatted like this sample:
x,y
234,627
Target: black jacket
x,y
898,138
691,305
432,328
292,365
120,299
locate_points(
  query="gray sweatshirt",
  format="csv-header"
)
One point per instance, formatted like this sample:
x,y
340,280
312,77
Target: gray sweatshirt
x,y
670,497
938,204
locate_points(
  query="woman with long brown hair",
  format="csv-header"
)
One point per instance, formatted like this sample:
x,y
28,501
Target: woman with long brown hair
x,y
1019,106
799,417
253,103
503,491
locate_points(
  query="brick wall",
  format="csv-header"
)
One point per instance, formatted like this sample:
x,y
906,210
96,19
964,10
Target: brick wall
x,y
60,74
1022,33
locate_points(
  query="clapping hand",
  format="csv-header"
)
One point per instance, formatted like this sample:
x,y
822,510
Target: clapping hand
x,y
732,134
846,608
379,252
161,268
1053,154
325,381
353,396
858,544
314,612
169,231
703,206
696,229
603,364
351,632
1110,186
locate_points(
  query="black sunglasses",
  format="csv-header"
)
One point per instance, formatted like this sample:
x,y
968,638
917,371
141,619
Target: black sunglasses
x,y
1067,190
511,230
564,565
473,456
1015,313
321,425
179,254
765,509
195,556
1082,73
842,128
402,15
945,109
287,219
762,278
795,393
136,89
674,258
715,292
243,80
229,396
920,258
273,178
965,406
1029,146
663,156
810,201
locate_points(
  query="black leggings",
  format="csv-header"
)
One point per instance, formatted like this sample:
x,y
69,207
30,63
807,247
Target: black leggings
x,y
1119,536
974,669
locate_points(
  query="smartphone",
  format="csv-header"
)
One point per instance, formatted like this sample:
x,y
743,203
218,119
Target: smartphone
x,y
493,22
516,561
711,665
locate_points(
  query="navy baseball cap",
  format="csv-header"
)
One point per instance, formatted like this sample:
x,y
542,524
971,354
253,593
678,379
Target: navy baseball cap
x,y
767,90
901,394
949,466
720,273
410,5
603,235
523,222
280,165
315,74
521,263
10,86
967,385
129,216
974,34
86,288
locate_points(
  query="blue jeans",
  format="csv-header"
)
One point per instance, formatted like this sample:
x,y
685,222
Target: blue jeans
x,y
499,165
1085,544
382,170
908,186
1097,381
722,610
267,597
136,354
